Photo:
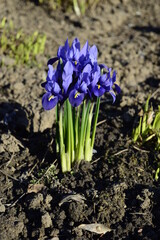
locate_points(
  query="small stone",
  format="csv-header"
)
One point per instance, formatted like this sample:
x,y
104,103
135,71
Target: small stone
x,y
2,208
54,232
46,220
18,86
36,201
48,200
1,149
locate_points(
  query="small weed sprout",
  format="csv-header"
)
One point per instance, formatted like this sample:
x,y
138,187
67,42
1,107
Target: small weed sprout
x,y
78,6
148,129
24,49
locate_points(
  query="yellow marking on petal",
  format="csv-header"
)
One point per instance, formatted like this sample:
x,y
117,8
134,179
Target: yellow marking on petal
x,y
76,95
99,86
75,62
51,97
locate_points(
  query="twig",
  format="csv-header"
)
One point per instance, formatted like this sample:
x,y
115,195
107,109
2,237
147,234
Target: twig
x,y
46,172
10,160
95,160
15,179
32,168
99,123
14,203
138,213
155,92
141,150
122,151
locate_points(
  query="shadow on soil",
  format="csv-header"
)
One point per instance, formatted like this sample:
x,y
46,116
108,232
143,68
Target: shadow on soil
x,y
15,119
147,29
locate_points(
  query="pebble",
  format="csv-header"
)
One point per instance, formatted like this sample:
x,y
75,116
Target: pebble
x,y
2,208
46,220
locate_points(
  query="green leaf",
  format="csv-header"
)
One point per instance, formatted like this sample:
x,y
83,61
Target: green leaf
x,y
42,44
146,107
35,49
156,123
19,34
3,22
144,123
157,174
137,131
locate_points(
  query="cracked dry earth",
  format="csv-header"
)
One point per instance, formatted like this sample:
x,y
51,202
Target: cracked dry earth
x,y
117,189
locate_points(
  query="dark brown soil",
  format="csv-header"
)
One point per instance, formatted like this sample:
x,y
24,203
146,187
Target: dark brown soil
x,y
117,188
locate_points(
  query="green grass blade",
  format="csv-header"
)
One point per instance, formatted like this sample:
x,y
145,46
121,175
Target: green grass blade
x,y
95,121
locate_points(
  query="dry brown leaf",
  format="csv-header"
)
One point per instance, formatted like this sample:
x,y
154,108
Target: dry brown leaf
x,y
95,227
35,188
75,197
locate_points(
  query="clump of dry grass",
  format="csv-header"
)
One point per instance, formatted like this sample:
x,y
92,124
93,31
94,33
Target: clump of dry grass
x,y
78,6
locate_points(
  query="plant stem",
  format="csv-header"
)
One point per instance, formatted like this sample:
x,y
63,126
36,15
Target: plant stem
x,y
81,133
70,126
76,8
68,139
77,121
95,121
65,121
86,121
57,129
88,147
61,142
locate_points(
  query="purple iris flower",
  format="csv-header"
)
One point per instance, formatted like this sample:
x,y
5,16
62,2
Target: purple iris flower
x,y
78,76
110,82
102,83
67,76
80,89
93,54
100,87
54,93
76,96
94,76
118,89
72,54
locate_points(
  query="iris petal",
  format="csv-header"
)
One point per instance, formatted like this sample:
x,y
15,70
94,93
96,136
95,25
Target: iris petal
x,y
114,76
76,44
93,53
50,72
49,101
102,78
103,66
84,50
61,53
83,87
75,98
118,89
98,91
66,45
56,89
87,69
67,75
52,60
113,96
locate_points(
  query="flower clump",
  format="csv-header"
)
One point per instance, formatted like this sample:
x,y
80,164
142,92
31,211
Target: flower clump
x,y
78,76
75,87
